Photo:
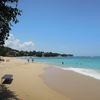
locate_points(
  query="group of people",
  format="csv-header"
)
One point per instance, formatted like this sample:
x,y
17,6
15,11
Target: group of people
x,y
30,60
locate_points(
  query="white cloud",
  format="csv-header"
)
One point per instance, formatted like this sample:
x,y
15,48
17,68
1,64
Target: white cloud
x,y
15,43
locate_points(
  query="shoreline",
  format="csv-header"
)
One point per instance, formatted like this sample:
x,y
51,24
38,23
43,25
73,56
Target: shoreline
x,y
94,73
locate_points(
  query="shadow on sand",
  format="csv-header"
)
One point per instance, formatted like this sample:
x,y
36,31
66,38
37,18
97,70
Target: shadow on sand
x,y
6,94
7,81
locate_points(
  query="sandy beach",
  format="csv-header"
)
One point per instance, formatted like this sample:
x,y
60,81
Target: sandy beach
x,y
39,81
27,83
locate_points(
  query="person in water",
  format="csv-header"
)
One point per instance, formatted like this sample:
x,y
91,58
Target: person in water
x,y
62,62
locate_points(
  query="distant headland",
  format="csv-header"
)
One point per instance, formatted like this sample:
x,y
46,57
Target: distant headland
x,y
6,51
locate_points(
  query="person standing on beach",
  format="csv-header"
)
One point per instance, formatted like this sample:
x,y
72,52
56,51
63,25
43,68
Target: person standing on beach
x,y
32,60
28,60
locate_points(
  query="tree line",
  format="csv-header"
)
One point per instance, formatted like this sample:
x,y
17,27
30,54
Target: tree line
x,y
6,51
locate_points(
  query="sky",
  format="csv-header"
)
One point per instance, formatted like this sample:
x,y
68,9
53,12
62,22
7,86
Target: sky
x,y
63,26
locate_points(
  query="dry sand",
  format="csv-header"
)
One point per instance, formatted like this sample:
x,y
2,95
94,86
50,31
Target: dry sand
x,y
27,83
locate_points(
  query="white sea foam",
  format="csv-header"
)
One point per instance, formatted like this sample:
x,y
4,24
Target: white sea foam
x,y
88,72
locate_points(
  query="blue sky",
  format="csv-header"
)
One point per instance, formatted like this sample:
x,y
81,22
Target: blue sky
x,y
65,26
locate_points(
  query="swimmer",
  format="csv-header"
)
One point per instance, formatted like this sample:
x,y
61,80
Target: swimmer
x,y
62,62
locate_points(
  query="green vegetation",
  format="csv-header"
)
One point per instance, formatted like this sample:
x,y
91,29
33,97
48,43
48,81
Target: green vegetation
x,y
8,15
5,51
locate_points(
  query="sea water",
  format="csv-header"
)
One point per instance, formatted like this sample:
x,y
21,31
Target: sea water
x,y
89,66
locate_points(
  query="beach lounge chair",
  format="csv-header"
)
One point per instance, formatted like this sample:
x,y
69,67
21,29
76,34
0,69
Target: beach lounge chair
x,y
7,79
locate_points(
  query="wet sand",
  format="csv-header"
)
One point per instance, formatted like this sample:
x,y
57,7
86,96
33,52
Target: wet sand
x,y
72,84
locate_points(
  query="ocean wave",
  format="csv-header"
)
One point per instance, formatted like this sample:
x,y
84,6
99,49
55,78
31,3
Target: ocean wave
x,y
87,72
